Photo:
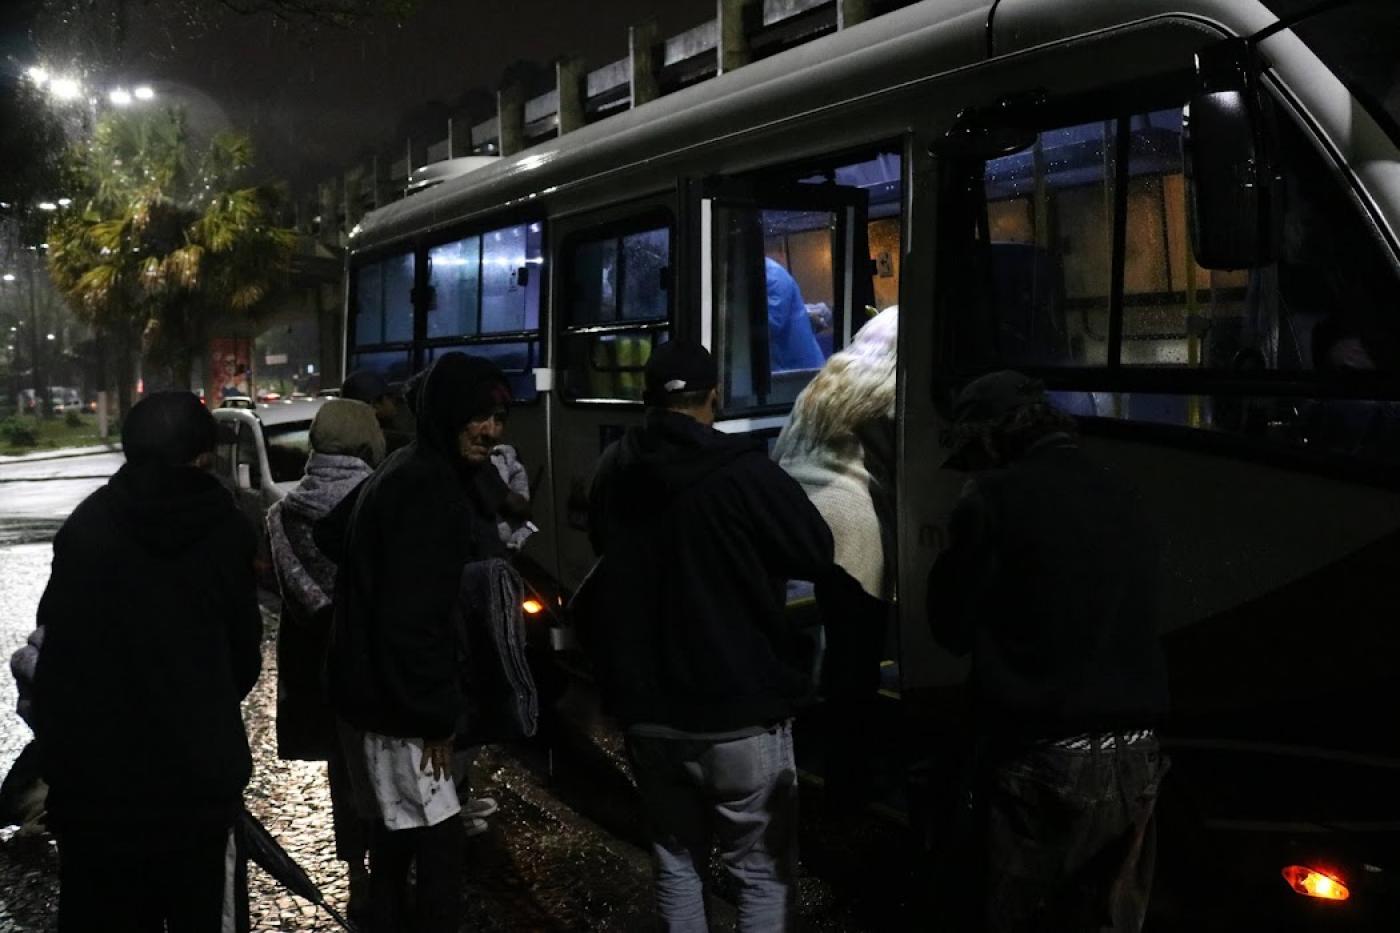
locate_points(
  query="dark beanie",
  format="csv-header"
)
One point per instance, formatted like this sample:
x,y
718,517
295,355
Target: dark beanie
x,y
168,428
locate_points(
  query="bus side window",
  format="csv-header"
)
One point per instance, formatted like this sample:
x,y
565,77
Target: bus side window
x,y
1036,290
483,298
617,306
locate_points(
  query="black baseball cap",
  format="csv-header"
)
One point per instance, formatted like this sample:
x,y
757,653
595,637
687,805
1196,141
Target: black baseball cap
x,y
679,366
364,385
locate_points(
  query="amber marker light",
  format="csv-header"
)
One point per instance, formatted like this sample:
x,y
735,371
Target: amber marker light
x,y
532,607
1310,882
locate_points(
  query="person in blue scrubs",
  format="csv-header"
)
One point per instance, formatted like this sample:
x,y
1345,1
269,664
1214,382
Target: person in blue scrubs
x,y
792,344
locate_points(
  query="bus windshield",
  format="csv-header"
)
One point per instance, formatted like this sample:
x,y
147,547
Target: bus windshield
x,y
1360,42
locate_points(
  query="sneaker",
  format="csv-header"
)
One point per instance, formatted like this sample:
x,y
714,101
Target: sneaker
x,y
473,825
479,807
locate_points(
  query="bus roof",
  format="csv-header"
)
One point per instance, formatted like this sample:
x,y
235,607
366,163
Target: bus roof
x,y
900,47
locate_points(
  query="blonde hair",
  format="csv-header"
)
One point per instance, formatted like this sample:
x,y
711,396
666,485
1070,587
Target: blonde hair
x,y
854,388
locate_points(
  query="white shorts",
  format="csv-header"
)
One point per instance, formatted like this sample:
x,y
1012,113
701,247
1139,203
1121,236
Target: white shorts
x,y
407,796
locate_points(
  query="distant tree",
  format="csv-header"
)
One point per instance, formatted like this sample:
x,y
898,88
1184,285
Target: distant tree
x,y
32,147
163,240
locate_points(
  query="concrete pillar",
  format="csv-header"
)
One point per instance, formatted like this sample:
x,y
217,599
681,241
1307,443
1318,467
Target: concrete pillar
x,y
571,77
510,114
383,185
354,195
733,51
643,40
328,203
459,135
850,12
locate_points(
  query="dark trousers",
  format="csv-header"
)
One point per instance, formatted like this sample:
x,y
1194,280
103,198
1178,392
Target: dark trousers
x,y
1065,839
352,831
104,888
437,851
855,624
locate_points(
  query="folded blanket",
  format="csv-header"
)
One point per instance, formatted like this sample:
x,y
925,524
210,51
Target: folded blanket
x,y
22,664
502,703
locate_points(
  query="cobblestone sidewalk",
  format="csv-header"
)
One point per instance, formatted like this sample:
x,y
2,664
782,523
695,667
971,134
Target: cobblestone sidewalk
x,y
541,867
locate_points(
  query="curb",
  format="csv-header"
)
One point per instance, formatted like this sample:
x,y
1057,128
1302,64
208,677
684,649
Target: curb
x,y
59,454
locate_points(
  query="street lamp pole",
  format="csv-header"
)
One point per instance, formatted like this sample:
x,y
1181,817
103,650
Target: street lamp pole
x,y
45,403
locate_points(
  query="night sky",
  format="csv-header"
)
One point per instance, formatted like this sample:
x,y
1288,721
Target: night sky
x,y
314,99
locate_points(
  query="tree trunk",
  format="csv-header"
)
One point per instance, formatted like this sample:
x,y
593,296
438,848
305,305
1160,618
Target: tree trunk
x,y
124,374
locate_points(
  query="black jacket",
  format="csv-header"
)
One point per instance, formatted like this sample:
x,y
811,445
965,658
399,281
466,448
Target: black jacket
x,y
1050,580
152,640
394,662
698,532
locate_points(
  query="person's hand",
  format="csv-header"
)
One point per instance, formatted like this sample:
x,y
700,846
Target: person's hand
x,y
437,758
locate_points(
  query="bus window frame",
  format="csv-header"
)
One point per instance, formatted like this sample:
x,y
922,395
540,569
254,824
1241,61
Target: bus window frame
x,y
654,215
1118,103
773,187
352,294
418,246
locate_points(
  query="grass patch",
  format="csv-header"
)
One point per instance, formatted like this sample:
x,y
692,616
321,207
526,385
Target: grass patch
x,y
22,434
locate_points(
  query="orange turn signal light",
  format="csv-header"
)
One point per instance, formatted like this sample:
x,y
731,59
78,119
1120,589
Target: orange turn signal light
x,y
1310,882
532,607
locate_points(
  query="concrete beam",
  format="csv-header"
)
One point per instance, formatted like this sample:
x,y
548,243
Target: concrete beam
x,y
643,40
692,43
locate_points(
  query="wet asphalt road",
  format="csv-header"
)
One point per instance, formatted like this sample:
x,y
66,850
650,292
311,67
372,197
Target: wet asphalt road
x,y
563,853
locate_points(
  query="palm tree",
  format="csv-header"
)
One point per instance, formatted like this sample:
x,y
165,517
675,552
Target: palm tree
x,y
167,240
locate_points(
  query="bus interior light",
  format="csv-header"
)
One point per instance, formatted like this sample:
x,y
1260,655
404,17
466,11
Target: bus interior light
x,y
532,606
1310,882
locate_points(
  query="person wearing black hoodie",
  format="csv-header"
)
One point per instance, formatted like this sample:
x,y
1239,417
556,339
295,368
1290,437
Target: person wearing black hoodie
x,y
393,668
152,641
698,532
1050,580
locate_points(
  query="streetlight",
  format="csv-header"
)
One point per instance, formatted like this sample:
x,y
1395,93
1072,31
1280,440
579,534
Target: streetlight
x,y
64,202
9,276
38,74
66,88
47,206
119,96
51,337
144,92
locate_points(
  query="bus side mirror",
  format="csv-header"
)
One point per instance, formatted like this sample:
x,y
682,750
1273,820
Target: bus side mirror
x,y
1229,176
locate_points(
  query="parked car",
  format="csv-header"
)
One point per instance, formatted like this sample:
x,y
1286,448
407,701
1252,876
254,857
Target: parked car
x,y
66,399
261,454
237,401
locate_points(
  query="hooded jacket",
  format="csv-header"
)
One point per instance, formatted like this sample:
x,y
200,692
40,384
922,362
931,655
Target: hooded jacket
x,y
1050,580
401,543
698,532
152,635
306,578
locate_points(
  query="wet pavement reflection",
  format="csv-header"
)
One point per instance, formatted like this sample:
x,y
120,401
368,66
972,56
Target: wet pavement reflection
x,y
564,852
